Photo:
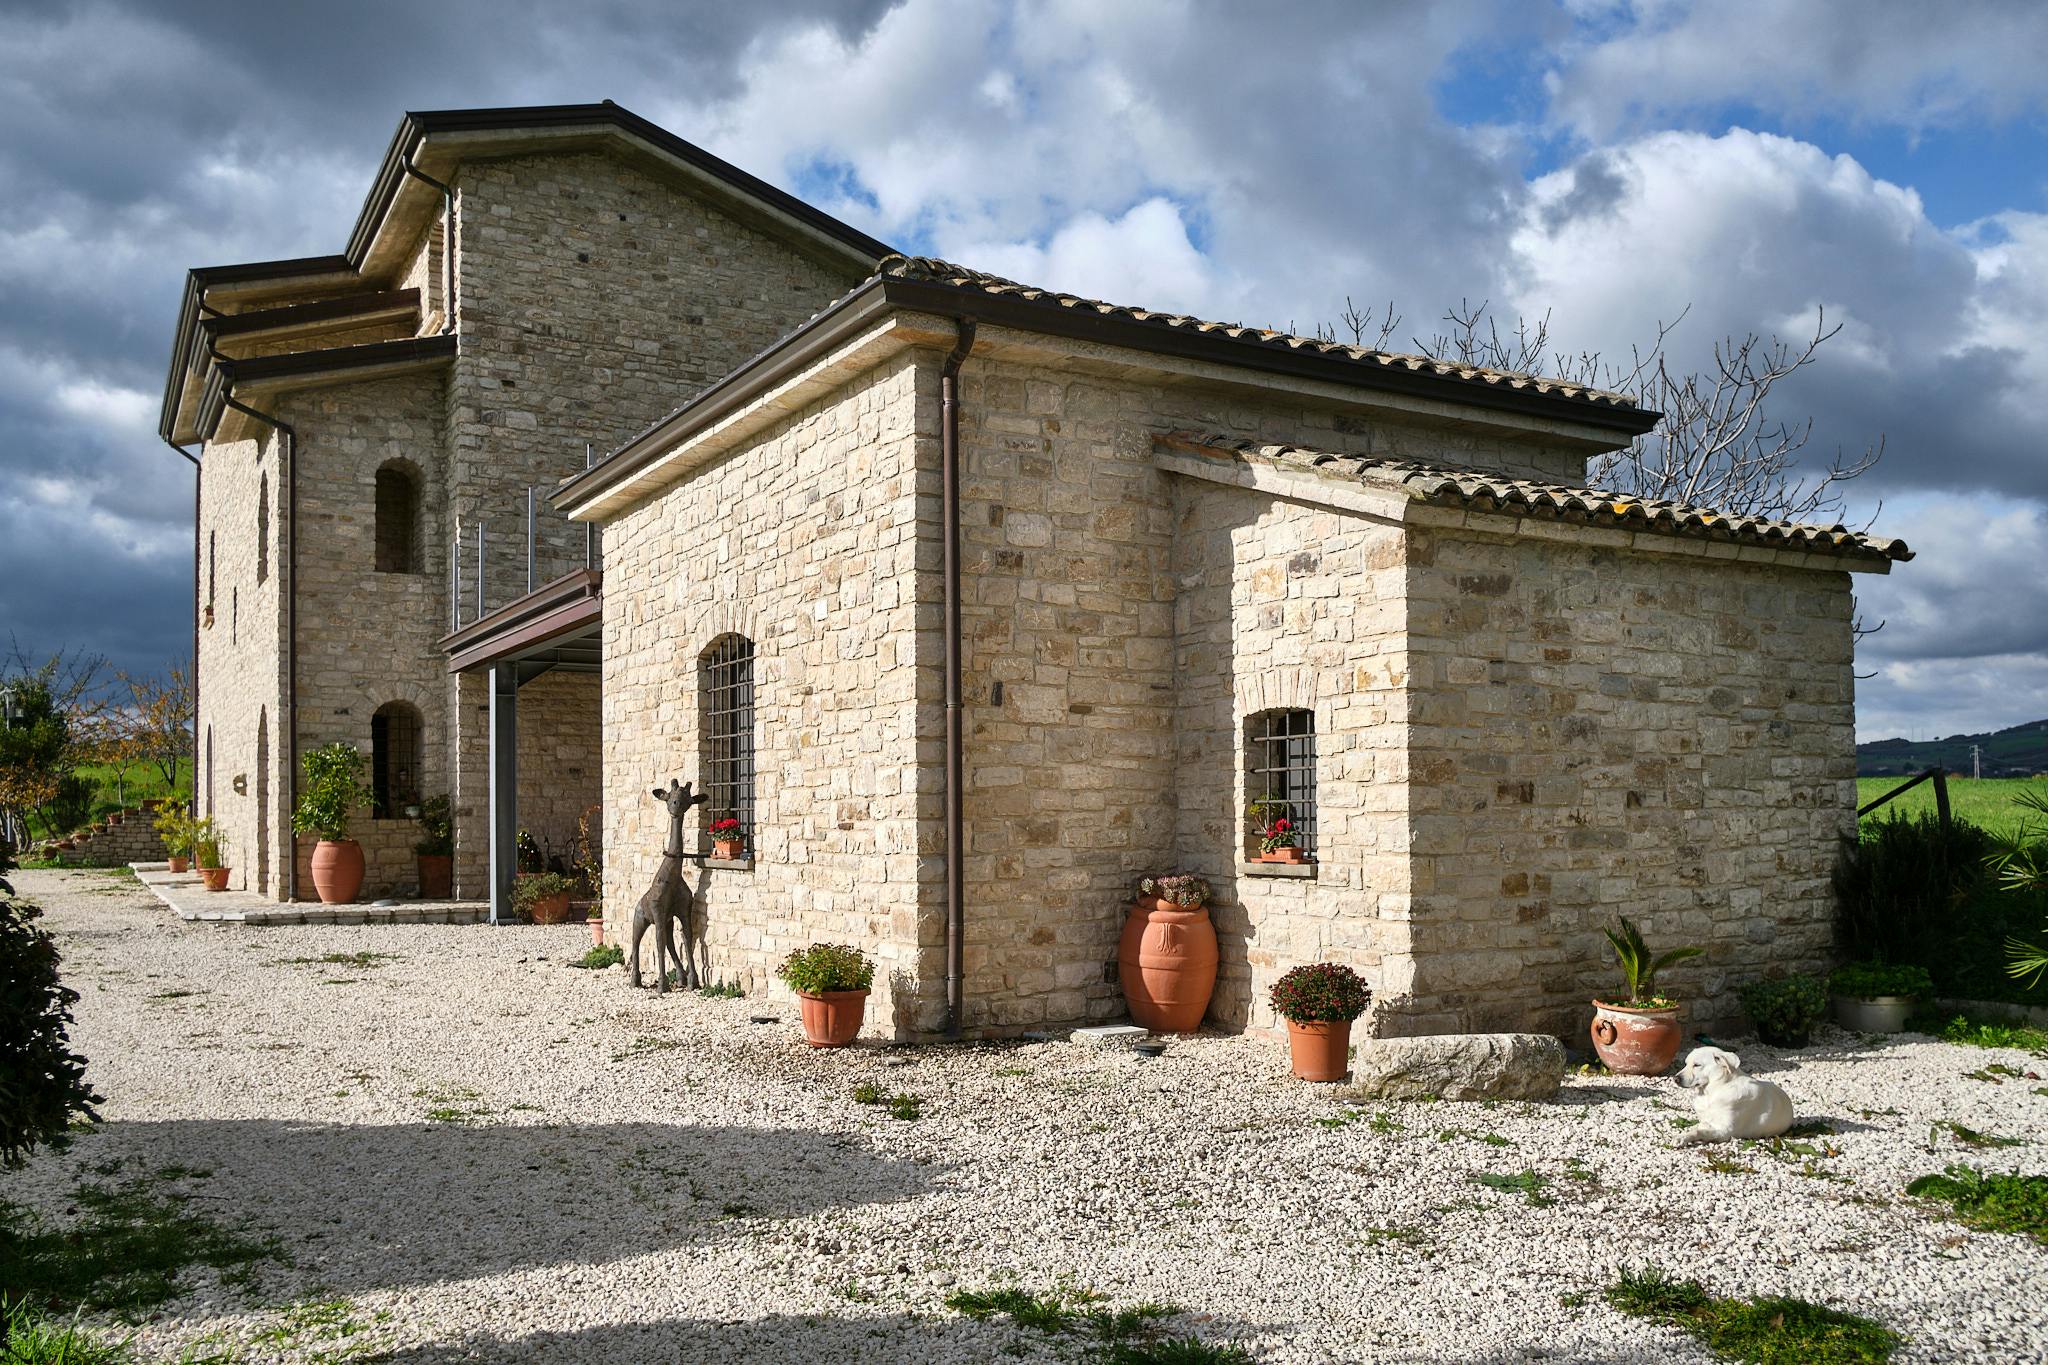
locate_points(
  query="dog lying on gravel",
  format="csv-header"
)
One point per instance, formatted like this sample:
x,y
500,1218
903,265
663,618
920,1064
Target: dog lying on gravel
x,y
1731,1105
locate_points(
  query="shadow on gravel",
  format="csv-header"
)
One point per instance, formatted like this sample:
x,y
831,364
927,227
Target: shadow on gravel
x,y
366,1206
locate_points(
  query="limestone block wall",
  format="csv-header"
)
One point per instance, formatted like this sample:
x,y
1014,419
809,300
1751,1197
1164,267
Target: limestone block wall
x,y
560,758
390,867
1286,605
1594,731
807,541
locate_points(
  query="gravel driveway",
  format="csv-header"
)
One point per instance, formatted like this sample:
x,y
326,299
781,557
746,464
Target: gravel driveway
x,y
490,1156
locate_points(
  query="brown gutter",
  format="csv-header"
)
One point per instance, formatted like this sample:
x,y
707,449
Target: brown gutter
x,y
447,233
956,796
198,479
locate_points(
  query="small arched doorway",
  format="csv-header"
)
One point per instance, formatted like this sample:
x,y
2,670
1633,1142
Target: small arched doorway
x,y
397,756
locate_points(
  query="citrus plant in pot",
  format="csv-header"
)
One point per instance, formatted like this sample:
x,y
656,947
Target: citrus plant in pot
x,y
332,789
1639,1034
543,898
727,838
1872,997
209,848
831,982
1786,1008
1319,1001
174,827
435,849
1166,957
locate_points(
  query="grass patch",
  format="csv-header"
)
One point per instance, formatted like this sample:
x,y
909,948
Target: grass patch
x,y
602,956
126,1253
29,1338
1970,1137
641,1047
1527,1183
1490,1139
1768,1331
1994,1202
1972,1032
362,962
901,1105
723,990
1114,1336
323,1321
1985,802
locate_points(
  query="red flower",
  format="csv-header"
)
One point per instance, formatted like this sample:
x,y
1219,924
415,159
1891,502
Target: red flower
x,y
1282,825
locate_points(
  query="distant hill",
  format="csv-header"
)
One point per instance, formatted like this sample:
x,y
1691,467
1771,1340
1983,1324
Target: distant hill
x,y
2021,751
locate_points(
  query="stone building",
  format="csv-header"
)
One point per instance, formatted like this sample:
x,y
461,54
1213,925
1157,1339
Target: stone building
x,y
974,602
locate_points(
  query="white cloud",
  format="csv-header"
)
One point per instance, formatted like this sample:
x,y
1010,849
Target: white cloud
x,y
1143,255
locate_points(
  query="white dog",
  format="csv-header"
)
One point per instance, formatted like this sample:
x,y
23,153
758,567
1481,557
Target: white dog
x,y
1731,1105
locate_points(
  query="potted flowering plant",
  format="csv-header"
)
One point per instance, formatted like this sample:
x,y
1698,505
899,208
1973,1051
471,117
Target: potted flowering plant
x,y
831,982
1319,1000
1279,841
726,837
1639,1034
1166,957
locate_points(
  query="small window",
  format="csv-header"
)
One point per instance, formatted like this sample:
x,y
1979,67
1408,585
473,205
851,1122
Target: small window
x,y
726,716
398,519
1280,765
396,757
263,528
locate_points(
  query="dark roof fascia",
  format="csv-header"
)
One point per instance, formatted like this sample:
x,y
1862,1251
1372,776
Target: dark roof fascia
x,y
304,314
197,281
570,603
227,374
796,349
417,126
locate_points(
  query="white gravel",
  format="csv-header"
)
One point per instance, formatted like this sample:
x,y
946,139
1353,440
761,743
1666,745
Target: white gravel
x,y
635,1177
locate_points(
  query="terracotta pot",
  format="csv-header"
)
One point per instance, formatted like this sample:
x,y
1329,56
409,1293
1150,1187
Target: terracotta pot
x,y
1636,1042
832,1018
1321,1051
216,878
114,820
179,862
1166,961
337,870
596,932
437,876
1873,1014
729,849
1283,855
551,909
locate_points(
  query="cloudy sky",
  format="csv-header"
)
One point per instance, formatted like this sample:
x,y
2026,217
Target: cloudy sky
x,y
1610,163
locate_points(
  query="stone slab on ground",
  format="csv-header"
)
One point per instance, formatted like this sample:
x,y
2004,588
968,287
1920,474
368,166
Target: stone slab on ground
x,y
188,897
1459,1066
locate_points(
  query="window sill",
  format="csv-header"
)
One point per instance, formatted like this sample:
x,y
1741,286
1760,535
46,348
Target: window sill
x,y
1258,869
731,864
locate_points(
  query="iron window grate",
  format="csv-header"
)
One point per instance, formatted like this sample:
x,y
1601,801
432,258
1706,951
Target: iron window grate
x,y
728,722
396,745
1282,767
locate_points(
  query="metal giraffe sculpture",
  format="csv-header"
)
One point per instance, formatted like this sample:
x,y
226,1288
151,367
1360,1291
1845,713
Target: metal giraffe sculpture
x,y
669,899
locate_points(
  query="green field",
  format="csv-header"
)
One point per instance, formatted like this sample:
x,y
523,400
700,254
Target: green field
x,y
1987,804
144,783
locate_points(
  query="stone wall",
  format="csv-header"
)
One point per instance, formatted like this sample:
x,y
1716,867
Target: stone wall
x,y
560,759
134,840
1596,731
806,541
391,869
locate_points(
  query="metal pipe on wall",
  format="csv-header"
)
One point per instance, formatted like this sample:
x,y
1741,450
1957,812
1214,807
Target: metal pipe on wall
x,y
956,879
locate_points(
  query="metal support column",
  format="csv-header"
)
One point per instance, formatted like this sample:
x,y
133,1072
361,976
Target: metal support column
x,y
504,681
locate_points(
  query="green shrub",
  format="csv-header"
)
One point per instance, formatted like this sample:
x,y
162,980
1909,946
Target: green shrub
x,y
70,807
1994,1202
42,1081
1786,1009
528,892
332,790
174,827
1897,885
1869,980
1321,992
826,967
604,955
437,828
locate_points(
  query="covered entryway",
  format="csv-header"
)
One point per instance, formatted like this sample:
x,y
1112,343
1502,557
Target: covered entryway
x,y
540,657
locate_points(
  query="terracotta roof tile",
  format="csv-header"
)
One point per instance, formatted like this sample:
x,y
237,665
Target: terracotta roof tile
x,y
1478,491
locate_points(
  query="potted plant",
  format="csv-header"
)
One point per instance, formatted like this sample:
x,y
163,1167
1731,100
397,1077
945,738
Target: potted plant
x,y
1639,1034
208,850
1319,1000
590,867
1166,957
528,861
831,982
332,791
435,848
543,898
174,827
1279,840
1871,997
725,838
1786,1008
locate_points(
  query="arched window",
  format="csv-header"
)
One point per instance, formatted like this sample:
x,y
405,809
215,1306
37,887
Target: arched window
x,y
1280,766
262,528
725,712
398,518
397,754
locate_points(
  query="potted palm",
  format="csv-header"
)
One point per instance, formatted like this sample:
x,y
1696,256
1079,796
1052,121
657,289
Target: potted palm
x,y
831,982
727,838
1319,1002
435,848
1786,1008
1166,957
1279,840
543,898
174,827
1871,997
332,790
1639,1034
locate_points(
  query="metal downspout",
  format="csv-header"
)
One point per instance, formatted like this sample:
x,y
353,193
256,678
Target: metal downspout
x,y
198,478
447,234
956,879
290,590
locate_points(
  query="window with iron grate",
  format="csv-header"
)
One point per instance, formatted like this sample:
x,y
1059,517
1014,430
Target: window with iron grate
x,y
726,724
397,753
1280,765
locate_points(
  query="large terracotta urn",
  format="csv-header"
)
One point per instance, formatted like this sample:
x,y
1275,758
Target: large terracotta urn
x,y
1635,1042
1167,963
337,870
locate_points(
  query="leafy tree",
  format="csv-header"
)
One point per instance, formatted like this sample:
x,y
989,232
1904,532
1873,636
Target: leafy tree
x,y
160,718
42,1081
34,746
